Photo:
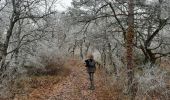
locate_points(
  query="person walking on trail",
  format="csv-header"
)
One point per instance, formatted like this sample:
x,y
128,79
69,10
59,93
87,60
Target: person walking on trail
x,y
91,68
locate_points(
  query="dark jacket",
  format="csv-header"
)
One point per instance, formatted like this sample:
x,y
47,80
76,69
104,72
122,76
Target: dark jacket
x,y
90,69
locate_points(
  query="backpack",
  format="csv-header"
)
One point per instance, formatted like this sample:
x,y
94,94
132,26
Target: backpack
x,y
90,63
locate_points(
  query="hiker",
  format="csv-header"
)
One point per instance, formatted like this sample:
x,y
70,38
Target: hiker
x,y
91,68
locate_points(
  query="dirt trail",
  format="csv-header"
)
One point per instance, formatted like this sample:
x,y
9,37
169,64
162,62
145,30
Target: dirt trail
x,y
74,87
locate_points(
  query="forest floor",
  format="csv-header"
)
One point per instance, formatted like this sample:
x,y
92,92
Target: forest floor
x,y
75,87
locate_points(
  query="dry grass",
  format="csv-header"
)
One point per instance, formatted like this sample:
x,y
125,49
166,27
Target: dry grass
x,y
109,87
113,89
55,65
40,78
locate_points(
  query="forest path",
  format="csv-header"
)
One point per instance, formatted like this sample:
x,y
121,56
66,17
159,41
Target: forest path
x,y
75,87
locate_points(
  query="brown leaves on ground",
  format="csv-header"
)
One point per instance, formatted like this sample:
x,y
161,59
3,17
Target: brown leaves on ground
x,y
73,87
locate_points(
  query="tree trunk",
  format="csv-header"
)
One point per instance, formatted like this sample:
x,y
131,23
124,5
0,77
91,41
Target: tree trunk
x,y
103,57
74,48
87,48
16,52
13,20
111,62
6,43
81,49
129,48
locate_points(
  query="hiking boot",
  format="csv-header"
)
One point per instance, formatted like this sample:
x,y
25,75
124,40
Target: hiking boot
x,y
91,88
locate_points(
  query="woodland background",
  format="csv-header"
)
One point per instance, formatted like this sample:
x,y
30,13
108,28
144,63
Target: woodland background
x,y
41,46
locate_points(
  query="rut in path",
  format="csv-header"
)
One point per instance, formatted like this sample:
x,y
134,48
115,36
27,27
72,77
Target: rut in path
x,y
75,87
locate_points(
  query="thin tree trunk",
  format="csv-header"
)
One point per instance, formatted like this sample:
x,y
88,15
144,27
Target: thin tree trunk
x,y
6,43
81,49
87,48
111,62
103,57
74,48
13,20
18,43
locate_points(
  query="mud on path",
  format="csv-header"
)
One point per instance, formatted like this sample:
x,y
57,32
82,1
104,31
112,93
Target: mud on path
x,y
75,87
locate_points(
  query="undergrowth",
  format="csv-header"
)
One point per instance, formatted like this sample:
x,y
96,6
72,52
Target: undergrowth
x,y
53,72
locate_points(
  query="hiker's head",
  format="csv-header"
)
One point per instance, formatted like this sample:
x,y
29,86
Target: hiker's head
x,y
90,56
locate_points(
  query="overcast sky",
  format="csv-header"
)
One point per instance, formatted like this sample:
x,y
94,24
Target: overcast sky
x,y
62,5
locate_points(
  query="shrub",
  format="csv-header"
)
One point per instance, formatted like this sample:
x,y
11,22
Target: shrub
x,y
48,63
151,84
54,70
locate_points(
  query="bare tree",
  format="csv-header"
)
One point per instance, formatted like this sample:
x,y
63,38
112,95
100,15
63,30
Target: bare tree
x,y
20,10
